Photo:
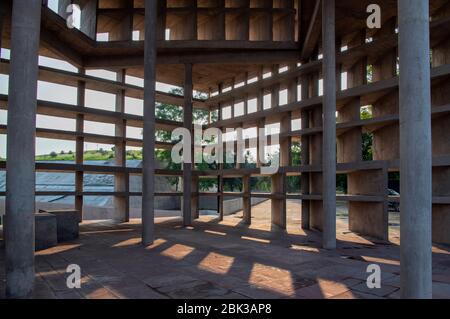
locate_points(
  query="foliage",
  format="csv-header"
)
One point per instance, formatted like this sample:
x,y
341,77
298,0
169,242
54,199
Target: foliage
x,y
369,73
367,138
296,151
367,146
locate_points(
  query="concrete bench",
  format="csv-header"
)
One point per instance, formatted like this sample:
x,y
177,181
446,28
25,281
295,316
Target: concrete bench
x,y
67,223
45,231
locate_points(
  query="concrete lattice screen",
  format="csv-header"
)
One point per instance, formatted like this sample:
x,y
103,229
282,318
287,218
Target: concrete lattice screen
x,y
300,99
260,23
261,64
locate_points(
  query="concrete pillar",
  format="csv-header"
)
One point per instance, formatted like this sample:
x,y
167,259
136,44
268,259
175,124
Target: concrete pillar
x,y
195,199
187,167
415,149
305,157
246,200
20,173
2,18
278,202
329,124
220,197
79,159
148,150
79,146
121,203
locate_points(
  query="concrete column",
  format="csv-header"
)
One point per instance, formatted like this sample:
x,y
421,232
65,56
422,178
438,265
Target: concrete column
x,y
79,145
278,202
329,124
220,197
2,18
187,167
305,157
20,173
121,203
415,149
239,147
246,200
148,150
195,199
79,159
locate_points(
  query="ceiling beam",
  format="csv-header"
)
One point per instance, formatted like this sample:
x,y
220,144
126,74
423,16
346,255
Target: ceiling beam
x,y
313,34
249,57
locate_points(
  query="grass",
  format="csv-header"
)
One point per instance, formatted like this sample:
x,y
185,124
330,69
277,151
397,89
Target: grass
x,y
56,157
88,156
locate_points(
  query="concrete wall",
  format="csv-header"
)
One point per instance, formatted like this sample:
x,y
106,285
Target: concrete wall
x,y
165,206
230,205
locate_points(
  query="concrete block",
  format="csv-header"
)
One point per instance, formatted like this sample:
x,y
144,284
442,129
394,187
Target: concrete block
x,y
441,224
45,231
368,219
67,224
368,182
316,215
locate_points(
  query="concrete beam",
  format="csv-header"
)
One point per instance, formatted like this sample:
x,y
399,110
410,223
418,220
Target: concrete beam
x,y
20,184
415,149
148,150
329,123
312,36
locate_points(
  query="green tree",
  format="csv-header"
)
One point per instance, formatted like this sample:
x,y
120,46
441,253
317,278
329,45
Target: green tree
x,y
367,138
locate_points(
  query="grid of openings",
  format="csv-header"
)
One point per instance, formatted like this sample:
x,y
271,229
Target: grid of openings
x,y
254,20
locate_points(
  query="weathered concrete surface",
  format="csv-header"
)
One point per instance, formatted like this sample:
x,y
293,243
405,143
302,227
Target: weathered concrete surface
x,y
45,231
148,149
230,205
329,123
415,148
186,204
19,218
67,224
224,260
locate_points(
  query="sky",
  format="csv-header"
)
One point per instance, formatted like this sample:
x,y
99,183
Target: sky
x,y
66,94
95,99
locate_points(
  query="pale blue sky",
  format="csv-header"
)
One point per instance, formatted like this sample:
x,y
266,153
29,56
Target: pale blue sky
x,y
68,95
95,99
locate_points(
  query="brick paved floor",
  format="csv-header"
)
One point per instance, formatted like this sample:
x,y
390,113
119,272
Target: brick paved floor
x,y
223,260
